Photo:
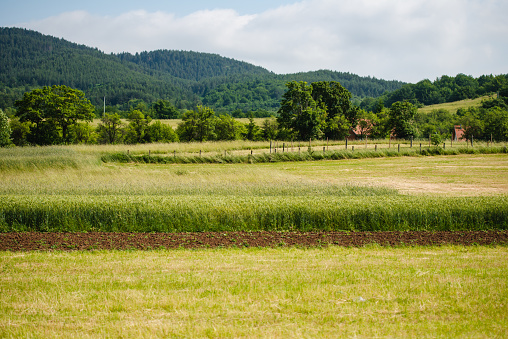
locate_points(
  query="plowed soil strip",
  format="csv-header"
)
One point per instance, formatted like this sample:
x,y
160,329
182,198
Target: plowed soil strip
x,y
150,241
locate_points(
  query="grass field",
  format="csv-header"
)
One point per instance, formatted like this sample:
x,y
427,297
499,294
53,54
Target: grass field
x,y
444,292
453,106
285,292
69,189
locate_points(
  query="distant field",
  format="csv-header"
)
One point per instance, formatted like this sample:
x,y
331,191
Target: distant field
x,y
452,107
174,122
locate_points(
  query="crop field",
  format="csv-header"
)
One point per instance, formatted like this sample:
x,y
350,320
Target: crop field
x,y
237,289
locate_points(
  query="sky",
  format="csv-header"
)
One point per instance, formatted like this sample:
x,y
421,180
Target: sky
x,y
406,40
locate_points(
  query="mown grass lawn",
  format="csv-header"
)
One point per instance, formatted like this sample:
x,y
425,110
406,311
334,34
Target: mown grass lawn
x,y
335,292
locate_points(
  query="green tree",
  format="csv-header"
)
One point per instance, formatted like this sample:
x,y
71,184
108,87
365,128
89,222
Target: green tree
x,y
227,128
136,129
253,132
20,131
341,114
82,133
5,130
402,119
163,109
159,132
197,125
472,124
52,111
270,129
496,124
110,129
300,112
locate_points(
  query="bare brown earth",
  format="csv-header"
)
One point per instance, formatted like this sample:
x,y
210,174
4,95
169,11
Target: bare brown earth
x,y
149,241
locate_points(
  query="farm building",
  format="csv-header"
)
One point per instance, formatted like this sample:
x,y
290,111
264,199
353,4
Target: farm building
x,y
361,130
457,133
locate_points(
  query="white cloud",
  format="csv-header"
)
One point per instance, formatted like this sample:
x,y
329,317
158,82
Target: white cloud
x,y
393,39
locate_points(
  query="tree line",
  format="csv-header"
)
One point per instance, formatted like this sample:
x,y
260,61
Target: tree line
x,y
320,110
443,89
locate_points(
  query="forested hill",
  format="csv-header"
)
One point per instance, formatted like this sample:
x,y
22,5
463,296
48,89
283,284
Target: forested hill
x,y
29,59
192,65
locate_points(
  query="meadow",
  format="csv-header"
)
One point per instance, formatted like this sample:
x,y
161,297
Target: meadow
x,y
406,291
428,292
71,189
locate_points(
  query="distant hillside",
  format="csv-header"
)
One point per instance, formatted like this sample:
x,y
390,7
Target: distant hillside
x,y
30,59
192,65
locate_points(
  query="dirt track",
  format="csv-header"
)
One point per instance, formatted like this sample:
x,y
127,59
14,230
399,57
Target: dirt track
x,y
147,241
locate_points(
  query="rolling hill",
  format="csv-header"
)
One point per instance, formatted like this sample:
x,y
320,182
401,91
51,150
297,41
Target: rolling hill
x,y
29,59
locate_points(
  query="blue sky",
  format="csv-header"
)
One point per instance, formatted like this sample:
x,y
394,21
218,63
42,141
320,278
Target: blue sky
x,y
16,12
406,40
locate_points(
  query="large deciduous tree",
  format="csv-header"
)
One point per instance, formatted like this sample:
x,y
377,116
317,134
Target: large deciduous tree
x,y
321,109
300,113
52,111
341,114
402,119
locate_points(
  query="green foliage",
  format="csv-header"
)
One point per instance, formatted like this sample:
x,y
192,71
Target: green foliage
x,y
252,132
495,124
82,133
197,125
52,111
162,109
300,113
472,124
185,79
19,131
401,119
444,89
5,130
436,139
136,130
270,129
309,155
228,128
110,129
159,132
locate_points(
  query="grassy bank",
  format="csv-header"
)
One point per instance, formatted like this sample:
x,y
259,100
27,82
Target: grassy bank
x,y
229,293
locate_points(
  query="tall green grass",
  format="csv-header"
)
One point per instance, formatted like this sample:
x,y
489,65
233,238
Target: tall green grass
x,y
40,158
298,156
199,213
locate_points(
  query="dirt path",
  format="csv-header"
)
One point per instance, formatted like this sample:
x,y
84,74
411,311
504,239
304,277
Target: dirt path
x,y
147,241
